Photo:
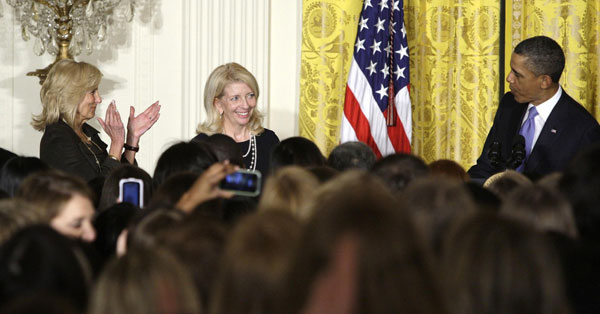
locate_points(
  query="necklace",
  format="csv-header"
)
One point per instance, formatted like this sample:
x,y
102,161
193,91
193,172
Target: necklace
x,y
95,158
252,148
249,146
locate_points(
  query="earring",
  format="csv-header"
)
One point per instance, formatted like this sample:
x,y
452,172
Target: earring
x,y
221,114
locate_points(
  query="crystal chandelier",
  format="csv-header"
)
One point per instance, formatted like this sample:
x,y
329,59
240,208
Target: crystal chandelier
x,y
65,28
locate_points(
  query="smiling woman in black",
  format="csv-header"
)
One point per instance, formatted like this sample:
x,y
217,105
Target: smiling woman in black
x,y
70,97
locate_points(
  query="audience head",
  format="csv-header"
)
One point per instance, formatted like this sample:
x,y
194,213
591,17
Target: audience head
x,y
449,169
357,206
297,151
551,180
581,185
169,193
110,190
5,155
64,88
193,156
543,208
64,201
214,90
485,199
225,148
496,265
289,189
351,155
197,242
16,169
544,56
398,170
145,228
323,173
144,281
109,225
436,204
503,183
37,260
254,263
15,214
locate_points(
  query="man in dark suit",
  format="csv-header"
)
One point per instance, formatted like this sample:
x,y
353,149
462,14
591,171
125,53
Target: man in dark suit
x,y
553,125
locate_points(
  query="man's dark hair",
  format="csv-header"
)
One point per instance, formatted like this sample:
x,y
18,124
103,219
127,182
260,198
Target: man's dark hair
x,y
544,56
351,155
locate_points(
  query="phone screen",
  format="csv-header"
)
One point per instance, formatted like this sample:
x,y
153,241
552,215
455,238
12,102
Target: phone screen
x,y
242,182
131,193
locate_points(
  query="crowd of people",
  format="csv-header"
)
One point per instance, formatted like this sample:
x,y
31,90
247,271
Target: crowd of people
x,y
345,233
342,234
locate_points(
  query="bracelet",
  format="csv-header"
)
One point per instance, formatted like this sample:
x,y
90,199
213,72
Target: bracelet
x,y
113,157
131,148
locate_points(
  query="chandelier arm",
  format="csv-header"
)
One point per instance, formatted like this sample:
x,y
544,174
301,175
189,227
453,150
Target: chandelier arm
x,y
50,6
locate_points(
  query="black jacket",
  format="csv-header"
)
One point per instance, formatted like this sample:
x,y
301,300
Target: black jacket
x,y
62,149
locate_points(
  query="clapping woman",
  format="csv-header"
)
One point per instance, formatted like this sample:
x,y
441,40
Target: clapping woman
x,y
230,96
69,97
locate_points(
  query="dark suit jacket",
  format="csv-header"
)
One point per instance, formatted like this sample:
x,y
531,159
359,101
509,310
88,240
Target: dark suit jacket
x,y
62,149
569,128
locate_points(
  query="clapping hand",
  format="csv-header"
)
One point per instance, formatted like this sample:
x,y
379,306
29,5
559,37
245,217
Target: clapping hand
x,y
113,125
138,125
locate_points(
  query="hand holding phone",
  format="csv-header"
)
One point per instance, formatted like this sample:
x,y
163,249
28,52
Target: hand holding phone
x,y
242,182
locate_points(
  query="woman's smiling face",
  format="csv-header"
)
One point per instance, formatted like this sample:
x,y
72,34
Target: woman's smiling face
x,y
236,105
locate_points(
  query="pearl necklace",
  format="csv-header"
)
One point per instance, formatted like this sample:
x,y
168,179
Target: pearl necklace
x,y
252,149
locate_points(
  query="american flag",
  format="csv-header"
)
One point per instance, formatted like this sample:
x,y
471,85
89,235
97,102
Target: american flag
x,y
377,109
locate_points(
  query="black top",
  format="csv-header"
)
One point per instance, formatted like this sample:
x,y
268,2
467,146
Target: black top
x,y
62,149
265,142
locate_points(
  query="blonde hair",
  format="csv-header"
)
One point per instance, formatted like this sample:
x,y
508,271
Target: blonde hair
x,y
145,281
290,189
220,77
63,90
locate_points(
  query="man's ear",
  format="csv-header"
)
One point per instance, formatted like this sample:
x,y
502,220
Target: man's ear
x,y
546,81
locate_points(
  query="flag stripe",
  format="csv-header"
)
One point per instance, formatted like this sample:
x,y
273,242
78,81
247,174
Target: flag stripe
x,y
360,131
379,70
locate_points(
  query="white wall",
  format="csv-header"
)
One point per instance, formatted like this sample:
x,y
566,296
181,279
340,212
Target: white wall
x,y
166,54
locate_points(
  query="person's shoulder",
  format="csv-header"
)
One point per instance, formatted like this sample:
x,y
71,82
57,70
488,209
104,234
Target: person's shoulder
x,y
579,112
268,135
199,137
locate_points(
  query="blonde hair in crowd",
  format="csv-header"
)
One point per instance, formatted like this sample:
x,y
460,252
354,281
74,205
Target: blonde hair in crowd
x,y
63,90
215,84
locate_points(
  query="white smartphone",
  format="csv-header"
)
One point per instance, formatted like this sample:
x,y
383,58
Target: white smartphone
x,y
242,182
131,190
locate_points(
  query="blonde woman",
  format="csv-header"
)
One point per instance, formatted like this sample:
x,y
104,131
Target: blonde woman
x,y
69,97
230,97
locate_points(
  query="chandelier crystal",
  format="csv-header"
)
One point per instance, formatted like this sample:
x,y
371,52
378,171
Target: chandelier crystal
x,y
66,28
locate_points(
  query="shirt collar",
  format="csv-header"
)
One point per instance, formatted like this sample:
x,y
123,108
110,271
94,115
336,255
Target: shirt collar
x,y
545,109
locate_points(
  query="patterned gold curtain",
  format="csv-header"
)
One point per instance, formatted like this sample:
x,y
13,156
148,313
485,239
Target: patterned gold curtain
x,y
328,33
454,50
575,25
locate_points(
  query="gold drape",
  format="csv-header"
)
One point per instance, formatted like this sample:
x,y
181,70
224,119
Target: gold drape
x,y
575,25
328,33
454,50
